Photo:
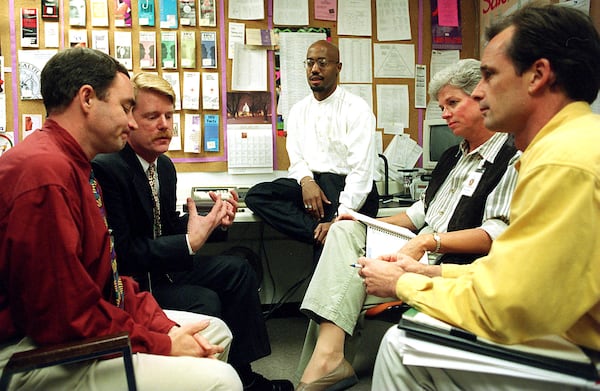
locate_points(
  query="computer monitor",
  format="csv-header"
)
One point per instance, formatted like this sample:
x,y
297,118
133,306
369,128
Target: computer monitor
x,y
437,137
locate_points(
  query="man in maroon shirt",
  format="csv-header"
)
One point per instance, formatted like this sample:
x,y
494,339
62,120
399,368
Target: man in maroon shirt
x,y
57,283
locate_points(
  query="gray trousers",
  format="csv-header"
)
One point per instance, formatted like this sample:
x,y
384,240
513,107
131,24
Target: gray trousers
x,y
152,372
391,374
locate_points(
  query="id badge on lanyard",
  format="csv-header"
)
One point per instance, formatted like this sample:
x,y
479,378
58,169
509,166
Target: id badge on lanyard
x,y
472,180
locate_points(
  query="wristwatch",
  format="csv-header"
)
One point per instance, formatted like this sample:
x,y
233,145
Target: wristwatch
x,y
438,242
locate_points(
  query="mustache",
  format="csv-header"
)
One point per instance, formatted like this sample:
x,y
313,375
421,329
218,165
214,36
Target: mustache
x,y
165,133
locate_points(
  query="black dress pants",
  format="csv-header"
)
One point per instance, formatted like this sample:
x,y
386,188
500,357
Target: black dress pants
x,y
222,286
279,203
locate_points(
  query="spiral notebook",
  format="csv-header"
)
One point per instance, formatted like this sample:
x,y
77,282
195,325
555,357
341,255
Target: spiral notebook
x,y
384,238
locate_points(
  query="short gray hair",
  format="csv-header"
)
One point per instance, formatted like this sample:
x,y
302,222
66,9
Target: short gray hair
x,y
465,74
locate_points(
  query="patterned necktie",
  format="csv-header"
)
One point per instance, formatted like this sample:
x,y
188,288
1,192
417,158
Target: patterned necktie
x,y
153,180
117,283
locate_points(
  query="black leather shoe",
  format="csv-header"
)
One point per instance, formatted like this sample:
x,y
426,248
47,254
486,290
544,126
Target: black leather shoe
x,y
260,383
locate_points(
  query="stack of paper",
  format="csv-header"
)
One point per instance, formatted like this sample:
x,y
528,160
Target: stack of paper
x,y
433,343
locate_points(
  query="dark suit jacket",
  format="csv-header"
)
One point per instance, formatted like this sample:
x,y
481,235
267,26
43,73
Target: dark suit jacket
x,y
128,199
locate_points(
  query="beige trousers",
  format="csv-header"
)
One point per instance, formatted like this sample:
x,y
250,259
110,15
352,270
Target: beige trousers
x,y
336,292
391,374
152,372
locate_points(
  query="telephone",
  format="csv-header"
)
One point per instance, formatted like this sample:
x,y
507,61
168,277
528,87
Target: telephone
x,y
201,195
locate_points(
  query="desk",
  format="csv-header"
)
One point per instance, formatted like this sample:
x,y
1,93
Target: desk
x,y
285,264
245,215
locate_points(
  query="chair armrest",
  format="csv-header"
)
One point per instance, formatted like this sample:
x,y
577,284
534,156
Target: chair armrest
x,y
68,352
87,349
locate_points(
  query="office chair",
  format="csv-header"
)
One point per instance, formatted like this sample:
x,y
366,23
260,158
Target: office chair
x,y
390,312
88,349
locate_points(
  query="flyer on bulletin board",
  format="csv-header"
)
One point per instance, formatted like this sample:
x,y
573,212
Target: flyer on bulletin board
x,y
168,14
146,12
211,133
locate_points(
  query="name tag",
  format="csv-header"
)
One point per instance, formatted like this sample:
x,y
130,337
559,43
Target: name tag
x,y
471,183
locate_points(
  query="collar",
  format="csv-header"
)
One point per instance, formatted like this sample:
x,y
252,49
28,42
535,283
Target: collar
x,y
146,164
488,150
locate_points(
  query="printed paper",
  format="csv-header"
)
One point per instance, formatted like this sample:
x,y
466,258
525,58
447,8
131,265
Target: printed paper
x,y
99,9
147,49
209,49
188,49
191,91
123,48
208,13
29,28
123,13
168,14
211,133
173,79
210,91
187,12
192,133
100,40
77,12
146,12
168,49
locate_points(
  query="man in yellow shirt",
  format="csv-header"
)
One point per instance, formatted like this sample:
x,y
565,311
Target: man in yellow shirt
x,y
542,275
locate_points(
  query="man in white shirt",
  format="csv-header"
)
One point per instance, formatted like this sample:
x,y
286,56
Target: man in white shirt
x,y
332,156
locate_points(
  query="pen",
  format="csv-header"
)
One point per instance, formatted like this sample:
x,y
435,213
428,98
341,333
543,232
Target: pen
x,y
356,265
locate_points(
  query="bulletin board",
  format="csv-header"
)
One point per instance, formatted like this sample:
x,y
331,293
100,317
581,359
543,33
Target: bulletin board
x,y
421,38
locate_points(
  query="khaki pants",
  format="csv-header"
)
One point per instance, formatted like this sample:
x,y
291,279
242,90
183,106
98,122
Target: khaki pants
x,y
336,292
152,372
391,374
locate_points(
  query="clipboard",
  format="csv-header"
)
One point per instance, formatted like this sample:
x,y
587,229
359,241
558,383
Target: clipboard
x,y
461,339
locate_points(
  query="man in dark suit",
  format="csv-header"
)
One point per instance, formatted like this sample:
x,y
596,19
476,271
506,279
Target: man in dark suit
x,y
152,238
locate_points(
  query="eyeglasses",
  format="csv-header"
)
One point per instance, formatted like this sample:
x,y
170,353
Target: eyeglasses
x,y
321,63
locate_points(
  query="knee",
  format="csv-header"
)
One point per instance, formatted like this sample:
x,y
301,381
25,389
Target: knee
x,y
222,330
342,228
255,193
227,379
212,307
389,345
240,269
205,301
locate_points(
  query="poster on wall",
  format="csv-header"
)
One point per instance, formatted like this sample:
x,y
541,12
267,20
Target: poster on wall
x,y
207,13
29,28
445,25
7,141
123,13
491,11
146,12
31,63
31,123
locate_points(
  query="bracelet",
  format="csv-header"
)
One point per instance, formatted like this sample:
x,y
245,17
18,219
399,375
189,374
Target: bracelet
x,y
309,180
438,242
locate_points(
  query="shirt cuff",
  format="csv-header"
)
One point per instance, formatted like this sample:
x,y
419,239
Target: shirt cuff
x,y
410,283
343,209
189,246
416,214
494,227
